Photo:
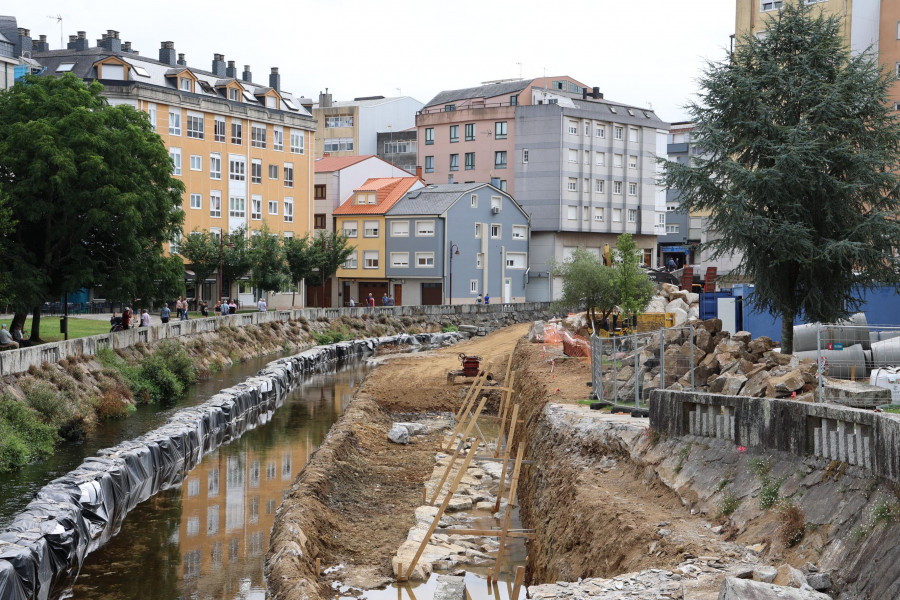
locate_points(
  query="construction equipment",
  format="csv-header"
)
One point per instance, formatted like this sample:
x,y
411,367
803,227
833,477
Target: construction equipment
x,y
470,367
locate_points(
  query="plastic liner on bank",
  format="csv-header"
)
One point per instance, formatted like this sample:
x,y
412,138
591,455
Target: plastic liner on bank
x,y
42,550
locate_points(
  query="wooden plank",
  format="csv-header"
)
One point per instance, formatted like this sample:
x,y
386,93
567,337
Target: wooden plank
x,y
441,509
461,419
474,419
509,506
512,434
460,412
506,403
520,577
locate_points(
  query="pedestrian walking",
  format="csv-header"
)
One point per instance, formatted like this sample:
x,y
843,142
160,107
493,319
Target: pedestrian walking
x,y
480,299
384,299
261,305
145,318
487,298
164,313
370,300
179,307
352,302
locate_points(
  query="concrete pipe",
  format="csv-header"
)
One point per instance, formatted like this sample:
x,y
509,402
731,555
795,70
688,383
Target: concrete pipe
x,y
848,332
843,364
880,336
886,353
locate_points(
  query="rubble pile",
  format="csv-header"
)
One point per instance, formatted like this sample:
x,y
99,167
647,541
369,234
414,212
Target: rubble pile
x,y
683,304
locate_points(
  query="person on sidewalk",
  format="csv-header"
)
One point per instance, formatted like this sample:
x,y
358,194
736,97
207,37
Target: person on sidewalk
x,y
145,318
18,336
126,317
165,313
487,298
184,310
6,341
178,307
261,305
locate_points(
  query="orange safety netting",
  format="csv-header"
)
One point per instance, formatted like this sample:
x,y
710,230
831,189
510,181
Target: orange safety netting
x,y
552,334
575,345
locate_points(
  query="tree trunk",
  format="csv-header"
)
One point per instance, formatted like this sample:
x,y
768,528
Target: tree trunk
x,y
787,333
35,337
18,319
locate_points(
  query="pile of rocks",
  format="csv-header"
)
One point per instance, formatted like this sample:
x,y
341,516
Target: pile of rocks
x,y
683,304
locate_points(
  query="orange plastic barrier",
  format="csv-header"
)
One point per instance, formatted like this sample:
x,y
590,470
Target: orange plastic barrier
x,y
575,345
552,334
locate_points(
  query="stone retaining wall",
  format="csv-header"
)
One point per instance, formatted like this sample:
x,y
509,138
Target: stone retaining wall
x,y
19,361
851,435
41,552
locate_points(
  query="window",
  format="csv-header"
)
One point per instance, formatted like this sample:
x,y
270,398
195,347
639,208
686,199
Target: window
x,y
215,166
399,228
273,207
175,243
496,203
429,136
273,171
573,127
219,129
288,210
400,259
514,100
500,159
195,126
256,171
65,67
339,121
672,228
365,197
424,228
237,207
479,261
319,191
151,113
516,260
524,156
478,231
237,131
572,184
500,130
585,213
278,139
599,186
429,164
425,259
454,162
617,161
256,208
215,204
598,215
768,5
370,259
571,213
632,161
351,262
174,122
632,215
587,157
617,215
470,132
175,155
473,283
617,187
632,188
519,232
502,185
454,134
319,221
298,142
619,133
288,174
370,229
196,201
632,135
470,161
237,169
351,229
257,135
473,201
184,84
601,131
196,163
573,156
234,94
495,231
449,107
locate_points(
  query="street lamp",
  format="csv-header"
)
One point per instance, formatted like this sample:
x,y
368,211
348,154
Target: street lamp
x,y
450,291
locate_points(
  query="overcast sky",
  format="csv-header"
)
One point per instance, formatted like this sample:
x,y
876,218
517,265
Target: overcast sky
x,y
642,52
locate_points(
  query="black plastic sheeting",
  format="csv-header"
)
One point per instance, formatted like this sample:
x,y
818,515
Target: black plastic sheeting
x,y
42,550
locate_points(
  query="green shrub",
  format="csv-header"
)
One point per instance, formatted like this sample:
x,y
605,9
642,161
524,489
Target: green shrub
x,y
161,383
53,407
729,504
792,526
23,438
177,361
449,328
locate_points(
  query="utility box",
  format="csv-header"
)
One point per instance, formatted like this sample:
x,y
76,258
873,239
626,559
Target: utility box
x,y
888,378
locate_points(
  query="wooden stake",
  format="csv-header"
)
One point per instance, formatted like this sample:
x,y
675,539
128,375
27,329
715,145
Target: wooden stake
x,y
478,378
400,577
441,509
506,403
520,577
437,490
509,506
512,433
318,567
461,419
424,495
489,580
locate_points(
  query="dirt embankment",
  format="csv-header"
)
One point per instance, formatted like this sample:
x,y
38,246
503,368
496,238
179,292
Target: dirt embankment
x,y
354,503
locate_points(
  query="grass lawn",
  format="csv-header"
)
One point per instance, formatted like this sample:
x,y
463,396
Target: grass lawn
x,y
77,328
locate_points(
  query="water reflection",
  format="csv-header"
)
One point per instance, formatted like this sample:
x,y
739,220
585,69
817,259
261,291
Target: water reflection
x,y
207,538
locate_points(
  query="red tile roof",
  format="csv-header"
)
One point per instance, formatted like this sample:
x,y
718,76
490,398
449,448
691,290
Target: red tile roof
x,y
336,163
389,190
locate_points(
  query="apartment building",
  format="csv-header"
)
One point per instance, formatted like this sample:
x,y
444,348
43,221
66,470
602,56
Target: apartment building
x,y
584,168
244,150
362,219
350,128
399,148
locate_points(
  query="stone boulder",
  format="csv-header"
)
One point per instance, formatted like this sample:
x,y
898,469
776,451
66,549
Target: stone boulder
x,y
678,304
777,358
730,346
765,573
742,336
698,353
412,428
657,304
398,434
747,589
704,340
729,385
756,385
682,295
790,577
450,587
713,326
783,385
668,289
681,316
536,335
760,345
692,299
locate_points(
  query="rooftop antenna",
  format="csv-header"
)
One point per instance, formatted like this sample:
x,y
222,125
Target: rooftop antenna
x,y
58,18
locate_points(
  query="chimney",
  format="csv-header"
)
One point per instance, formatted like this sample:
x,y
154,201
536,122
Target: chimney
x,y
231,71
73,40
81,41
218,65
40,45
181,60
596,94
275,79
167,53
23,42
325,99
247,75
126,47
111,41
419,172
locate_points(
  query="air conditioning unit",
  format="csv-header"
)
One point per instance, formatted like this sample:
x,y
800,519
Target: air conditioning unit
x,y
495,210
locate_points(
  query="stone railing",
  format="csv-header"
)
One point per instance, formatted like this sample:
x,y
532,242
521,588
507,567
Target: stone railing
x,y
19,361
830,431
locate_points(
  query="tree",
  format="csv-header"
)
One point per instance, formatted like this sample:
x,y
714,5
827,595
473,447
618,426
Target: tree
x,y
587,285
302,256
201,250
268,270
634,285
236,261
333,249
799,168
91,189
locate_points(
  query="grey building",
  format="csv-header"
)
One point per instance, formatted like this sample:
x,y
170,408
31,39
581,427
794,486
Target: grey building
x,y
399,148
450,243
680,241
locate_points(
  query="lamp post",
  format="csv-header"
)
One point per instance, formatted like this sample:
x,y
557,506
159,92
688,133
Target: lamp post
x,y
450,291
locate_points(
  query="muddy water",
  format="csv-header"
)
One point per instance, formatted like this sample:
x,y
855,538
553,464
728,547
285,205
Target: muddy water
x,y
207,538
19,487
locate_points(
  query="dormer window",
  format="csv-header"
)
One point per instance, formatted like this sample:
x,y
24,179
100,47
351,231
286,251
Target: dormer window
x,y
184,84
271,102
65,67
365,197
234,94
112,71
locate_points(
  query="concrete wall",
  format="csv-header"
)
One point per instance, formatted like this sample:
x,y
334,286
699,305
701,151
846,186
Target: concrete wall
x,y
854,436
19,361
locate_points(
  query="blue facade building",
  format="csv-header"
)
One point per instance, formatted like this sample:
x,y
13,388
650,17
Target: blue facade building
x,y
452,243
